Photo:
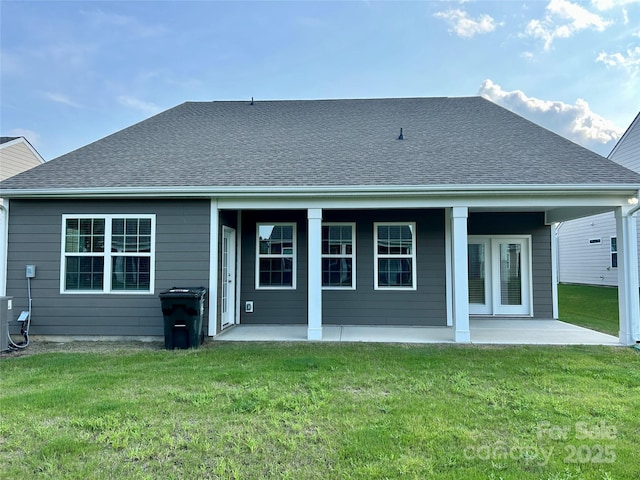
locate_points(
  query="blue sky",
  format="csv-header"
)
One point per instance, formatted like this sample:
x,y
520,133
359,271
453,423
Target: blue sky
x,y
74,72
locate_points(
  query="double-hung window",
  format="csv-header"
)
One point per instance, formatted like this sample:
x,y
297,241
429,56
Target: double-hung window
x,y
338,255
276,255
108,254
614,252
395,256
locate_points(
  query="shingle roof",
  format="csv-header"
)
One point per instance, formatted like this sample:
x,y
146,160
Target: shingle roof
x,y
6,139
447,141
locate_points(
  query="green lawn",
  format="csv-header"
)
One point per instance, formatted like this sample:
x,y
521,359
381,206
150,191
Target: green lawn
x,y
589,306
309,410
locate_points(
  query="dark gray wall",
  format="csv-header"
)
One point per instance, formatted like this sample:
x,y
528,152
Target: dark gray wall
x,y
182,259
524,224
364,305
273,306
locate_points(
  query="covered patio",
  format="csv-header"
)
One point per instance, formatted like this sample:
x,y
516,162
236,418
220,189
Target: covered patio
x,y
484,331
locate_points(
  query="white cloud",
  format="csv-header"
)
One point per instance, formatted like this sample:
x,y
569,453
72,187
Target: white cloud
x,y
603,5
148,108
464,26
629,60
562,20
576,122
60,98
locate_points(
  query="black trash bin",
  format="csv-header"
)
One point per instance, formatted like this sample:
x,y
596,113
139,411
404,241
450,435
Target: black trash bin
x,y
183,310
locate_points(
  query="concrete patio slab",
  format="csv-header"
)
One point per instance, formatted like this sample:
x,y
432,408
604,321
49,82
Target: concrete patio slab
x,y
483,331
535,332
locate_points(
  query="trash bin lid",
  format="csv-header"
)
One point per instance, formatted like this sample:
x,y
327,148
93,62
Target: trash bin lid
x,y
184,292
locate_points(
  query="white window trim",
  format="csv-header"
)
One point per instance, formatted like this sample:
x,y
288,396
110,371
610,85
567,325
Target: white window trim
x,y
293,256
107,254
376,256
352,255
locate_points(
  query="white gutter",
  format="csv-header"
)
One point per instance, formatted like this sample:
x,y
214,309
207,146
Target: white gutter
x,y
323,190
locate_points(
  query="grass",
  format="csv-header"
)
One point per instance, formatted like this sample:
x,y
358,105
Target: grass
x,y
309,410
589,306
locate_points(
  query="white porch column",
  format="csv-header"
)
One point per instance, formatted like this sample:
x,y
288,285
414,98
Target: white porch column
x,y
314,281
628,303
214,253
460,275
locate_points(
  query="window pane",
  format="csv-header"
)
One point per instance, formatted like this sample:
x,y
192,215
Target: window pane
x,y
117,226
130,273
395,239
383,239
144,227
276,272
476,273
336,272
72,239
510,274
337,240
84,235
394,272
145,243
127,235
84,273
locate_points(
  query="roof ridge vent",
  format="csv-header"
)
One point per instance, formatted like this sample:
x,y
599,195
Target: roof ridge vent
x,y
401,137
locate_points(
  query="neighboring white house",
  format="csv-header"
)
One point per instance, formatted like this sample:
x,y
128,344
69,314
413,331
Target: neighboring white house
x,y
16,156
587,247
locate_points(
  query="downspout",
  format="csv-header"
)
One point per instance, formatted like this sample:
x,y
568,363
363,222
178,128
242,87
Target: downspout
x,y
637,205
4,247
555,267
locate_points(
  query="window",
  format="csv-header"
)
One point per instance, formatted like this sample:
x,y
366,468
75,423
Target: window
x,y
614,252
276,255
395,255
108,254
338,255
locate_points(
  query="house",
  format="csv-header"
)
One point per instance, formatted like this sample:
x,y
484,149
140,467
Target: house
x,y
412,211
588,247
16,156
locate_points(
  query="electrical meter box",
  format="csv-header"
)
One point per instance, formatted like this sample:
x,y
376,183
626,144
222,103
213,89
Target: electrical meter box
x,y
5,316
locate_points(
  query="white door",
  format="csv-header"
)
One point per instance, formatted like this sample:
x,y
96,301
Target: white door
x,y
499,276
228,293
511,276
480,298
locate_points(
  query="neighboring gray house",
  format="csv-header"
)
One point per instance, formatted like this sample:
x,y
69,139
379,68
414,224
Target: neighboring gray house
x,y
588,247
16,156
415,211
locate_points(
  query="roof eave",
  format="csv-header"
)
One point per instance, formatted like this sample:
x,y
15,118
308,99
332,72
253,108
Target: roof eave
x,y
323,191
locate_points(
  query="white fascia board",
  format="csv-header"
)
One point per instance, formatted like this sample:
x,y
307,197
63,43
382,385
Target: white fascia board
x,y
327,191
366,196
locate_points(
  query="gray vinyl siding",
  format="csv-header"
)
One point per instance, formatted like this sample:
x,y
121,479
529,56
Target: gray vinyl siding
x,y
273,306
364,305
524,224
182,259
425,306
